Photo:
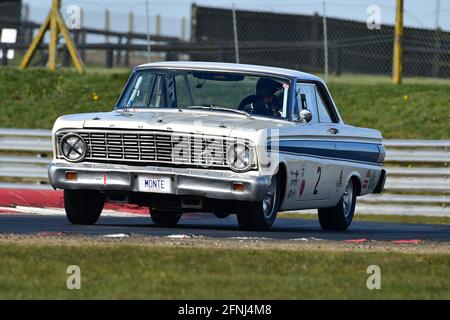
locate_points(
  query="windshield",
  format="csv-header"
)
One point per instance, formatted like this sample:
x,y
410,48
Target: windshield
x,y
211,91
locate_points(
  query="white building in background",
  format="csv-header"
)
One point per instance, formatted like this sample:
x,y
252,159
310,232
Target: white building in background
x,y
8,36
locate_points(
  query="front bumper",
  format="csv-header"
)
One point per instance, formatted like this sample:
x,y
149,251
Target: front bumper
x,y
214,184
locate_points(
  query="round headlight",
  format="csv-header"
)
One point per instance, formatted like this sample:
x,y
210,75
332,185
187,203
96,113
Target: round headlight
x,y
239,156
73,147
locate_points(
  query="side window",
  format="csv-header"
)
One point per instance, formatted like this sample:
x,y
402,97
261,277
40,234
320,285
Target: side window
x,y
306,99
324,115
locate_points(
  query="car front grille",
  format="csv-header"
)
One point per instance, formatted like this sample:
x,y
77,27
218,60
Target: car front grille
x,y
149,147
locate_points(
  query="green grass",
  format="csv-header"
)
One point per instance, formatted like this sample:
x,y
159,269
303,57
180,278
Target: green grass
x,y
122,271
379,79
377,217
417,109
35,98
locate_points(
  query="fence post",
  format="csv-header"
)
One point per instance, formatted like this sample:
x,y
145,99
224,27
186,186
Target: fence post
x,y
27,33
109,51
107,25
56,23
194,23
148,30
235,32
325,40
130,30
183,28
82,36
158,25
193,32
53,45
437,44
119,52
109,56
4,57
437,53
398,45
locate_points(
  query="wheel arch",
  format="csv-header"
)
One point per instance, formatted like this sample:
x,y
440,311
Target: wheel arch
x,y
357,182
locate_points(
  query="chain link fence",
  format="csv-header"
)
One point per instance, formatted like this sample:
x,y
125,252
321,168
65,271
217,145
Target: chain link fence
x,y
298,41
312,42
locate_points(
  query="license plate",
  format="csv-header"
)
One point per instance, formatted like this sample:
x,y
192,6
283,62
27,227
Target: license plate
x,y
155,184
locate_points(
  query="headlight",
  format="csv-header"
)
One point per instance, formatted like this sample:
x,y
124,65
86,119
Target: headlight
x,y
240,157
72,147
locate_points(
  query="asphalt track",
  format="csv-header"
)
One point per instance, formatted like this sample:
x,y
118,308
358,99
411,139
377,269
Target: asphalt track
x,y
207,225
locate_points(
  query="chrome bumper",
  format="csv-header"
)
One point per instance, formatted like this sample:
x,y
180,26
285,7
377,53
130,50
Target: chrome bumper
x,y
214,184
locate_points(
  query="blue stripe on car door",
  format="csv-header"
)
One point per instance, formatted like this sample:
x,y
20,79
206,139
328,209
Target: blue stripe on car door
x,y
356,151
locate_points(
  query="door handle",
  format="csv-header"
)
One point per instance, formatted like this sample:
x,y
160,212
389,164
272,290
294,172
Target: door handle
x,y
333,130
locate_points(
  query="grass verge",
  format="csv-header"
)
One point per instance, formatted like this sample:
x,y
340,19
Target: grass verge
x,y
417,109
376,218
35,98
31,270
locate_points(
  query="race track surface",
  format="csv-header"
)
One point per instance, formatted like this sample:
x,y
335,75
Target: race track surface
x,y
206,225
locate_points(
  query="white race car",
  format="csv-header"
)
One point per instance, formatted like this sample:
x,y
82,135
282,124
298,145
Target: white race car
x,y
221,138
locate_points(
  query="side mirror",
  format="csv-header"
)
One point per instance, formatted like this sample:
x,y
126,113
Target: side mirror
x,y
305,116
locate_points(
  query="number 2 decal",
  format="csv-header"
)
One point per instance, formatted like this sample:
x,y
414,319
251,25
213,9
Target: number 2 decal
x,y
319,172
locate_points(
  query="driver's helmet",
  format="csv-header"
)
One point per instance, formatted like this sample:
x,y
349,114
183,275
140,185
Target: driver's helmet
x,y
267,87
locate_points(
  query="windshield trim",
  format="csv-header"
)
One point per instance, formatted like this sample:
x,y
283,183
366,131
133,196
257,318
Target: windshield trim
x,y
288,79
176,110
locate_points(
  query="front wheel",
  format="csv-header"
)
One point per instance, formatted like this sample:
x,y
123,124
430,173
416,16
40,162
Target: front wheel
x,y
83,206
261,215
339,217
164,217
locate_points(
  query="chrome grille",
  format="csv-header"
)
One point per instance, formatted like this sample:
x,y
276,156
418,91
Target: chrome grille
x,y
153,147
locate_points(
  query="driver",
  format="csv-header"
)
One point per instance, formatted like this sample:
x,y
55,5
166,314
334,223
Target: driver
x,y
264,102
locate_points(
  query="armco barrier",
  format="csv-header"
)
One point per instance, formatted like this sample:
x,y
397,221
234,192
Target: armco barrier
x,y
418,174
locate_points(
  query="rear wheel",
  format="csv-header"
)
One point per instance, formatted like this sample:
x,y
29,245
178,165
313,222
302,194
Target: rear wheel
x,y
261,215
83,206
339,217
164,217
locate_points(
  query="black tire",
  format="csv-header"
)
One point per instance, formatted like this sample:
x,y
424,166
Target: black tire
x,y
165,218
252,214
83,206
339,217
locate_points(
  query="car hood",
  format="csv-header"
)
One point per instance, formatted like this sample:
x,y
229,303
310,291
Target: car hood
x,y
206,122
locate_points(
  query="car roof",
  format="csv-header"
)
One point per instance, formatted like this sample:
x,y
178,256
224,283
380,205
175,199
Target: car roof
x,y
220,66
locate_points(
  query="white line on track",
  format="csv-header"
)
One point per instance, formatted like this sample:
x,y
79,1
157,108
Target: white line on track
x,y
61,212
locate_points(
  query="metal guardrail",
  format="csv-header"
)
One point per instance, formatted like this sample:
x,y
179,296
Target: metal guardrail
x,y
35,133
418,173
402,151
412,143
25,140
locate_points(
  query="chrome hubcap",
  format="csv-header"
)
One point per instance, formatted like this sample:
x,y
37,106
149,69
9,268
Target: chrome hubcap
x,y
347,198
270,198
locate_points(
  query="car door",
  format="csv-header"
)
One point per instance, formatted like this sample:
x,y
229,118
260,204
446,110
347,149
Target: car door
x,y
313,149
334,132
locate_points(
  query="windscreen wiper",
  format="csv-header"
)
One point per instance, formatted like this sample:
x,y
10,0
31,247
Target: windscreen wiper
x,y
217,108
